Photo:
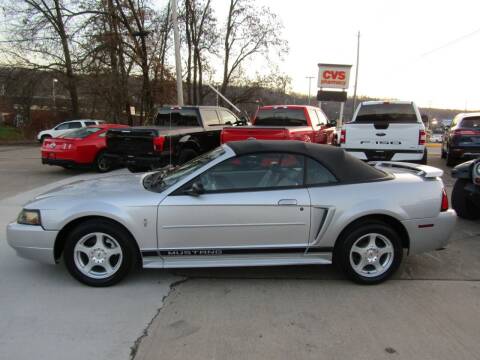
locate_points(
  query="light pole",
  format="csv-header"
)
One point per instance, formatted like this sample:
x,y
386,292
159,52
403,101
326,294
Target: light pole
x,y
54,82
178,62
309,87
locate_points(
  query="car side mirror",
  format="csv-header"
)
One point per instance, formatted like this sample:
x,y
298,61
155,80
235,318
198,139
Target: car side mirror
x,y
196,189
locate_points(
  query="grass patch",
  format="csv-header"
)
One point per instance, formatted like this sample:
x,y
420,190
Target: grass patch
x,y
11,134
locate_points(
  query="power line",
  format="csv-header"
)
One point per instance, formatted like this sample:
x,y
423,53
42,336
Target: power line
x,y
450,43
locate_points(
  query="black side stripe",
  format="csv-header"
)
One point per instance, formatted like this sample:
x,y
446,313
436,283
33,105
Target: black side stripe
x,y
216,251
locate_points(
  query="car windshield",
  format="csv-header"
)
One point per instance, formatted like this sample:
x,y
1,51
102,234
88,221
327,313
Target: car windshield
x,y
281,117
395,113
161,180
80,133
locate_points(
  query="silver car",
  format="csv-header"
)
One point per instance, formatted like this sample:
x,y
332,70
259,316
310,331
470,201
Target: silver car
x,y
247,203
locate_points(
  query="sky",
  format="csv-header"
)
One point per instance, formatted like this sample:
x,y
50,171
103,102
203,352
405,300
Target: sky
x,y
425,50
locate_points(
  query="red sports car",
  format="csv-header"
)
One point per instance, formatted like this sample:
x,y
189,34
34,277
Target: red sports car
x,y
84,147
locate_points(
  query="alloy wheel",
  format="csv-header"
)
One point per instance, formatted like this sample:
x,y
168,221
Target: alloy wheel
x,y
371,255
98,255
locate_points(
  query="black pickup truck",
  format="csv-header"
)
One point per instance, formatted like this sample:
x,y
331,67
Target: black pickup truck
x,y
178,134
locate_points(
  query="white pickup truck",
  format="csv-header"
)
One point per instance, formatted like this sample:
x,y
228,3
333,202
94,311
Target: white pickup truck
x,y
386,131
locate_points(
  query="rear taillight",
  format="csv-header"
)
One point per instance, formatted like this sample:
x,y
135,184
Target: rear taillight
x,y
343,136
444,206
422,137
465,132
158,142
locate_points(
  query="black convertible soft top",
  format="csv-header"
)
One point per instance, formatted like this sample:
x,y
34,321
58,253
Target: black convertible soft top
x,y
345,167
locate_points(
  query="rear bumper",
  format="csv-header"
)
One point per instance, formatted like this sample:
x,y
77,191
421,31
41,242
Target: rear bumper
x,y
150,162
430,233
470,152
32,242
61,162
386,155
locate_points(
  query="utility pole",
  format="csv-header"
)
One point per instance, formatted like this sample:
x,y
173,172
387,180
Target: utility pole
x,y
356,75
178,62
309,87
54,97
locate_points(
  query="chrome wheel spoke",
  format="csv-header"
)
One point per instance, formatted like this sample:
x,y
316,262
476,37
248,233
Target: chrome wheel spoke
x,y
359,250
83,249
99,241
108,268
371,241
361,264
88,267
385,250
113,252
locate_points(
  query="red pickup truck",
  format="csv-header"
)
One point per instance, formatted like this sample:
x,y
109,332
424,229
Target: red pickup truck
x,y
285,122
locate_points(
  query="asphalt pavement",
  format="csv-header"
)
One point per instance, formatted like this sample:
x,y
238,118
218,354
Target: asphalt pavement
x,y
430,310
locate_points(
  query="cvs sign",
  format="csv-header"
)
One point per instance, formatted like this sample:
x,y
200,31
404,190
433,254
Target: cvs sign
x,y
334,76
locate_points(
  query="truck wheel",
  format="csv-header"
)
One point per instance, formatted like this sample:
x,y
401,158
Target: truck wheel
x,y
186,155
451,160
103,163
443,153
369,252
461,203
425,157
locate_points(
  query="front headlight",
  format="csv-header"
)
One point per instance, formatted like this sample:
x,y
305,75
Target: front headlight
x,y
29,217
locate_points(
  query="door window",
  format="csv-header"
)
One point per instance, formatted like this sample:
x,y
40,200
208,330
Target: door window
x,y
313,117
74,125
317,174
227,117
177,117
62,127
90,123
321,117
210,118
255,172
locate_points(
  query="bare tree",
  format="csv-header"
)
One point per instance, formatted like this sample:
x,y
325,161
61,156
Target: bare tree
x,y
43,37
201,37
249,31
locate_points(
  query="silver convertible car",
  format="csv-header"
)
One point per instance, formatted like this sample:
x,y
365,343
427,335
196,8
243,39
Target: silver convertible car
x,y
247,203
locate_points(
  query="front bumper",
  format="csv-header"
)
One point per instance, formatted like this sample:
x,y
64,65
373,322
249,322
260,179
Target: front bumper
x,y
430,233
32,242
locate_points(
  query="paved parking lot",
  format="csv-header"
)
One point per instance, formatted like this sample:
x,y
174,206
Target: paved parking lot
x,y
429,311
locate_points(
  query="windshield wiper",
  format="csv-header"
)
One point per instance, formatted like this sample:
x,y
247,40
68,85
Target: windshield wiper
x,y
157,178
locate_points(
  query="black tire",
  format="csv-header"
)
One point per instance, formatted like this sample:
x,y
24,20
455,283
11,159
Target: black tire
x,y
451,160
102,163
44,137
465,208
137,169
425,157
357,232
124,242
186,155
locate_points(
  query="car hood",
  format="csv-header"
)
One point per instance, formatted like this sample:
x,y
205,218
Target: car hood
x,y
107,186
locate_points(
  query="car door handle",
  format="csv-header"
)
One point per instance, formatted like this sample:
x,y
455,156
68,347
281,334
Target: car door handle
x,y
287,202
